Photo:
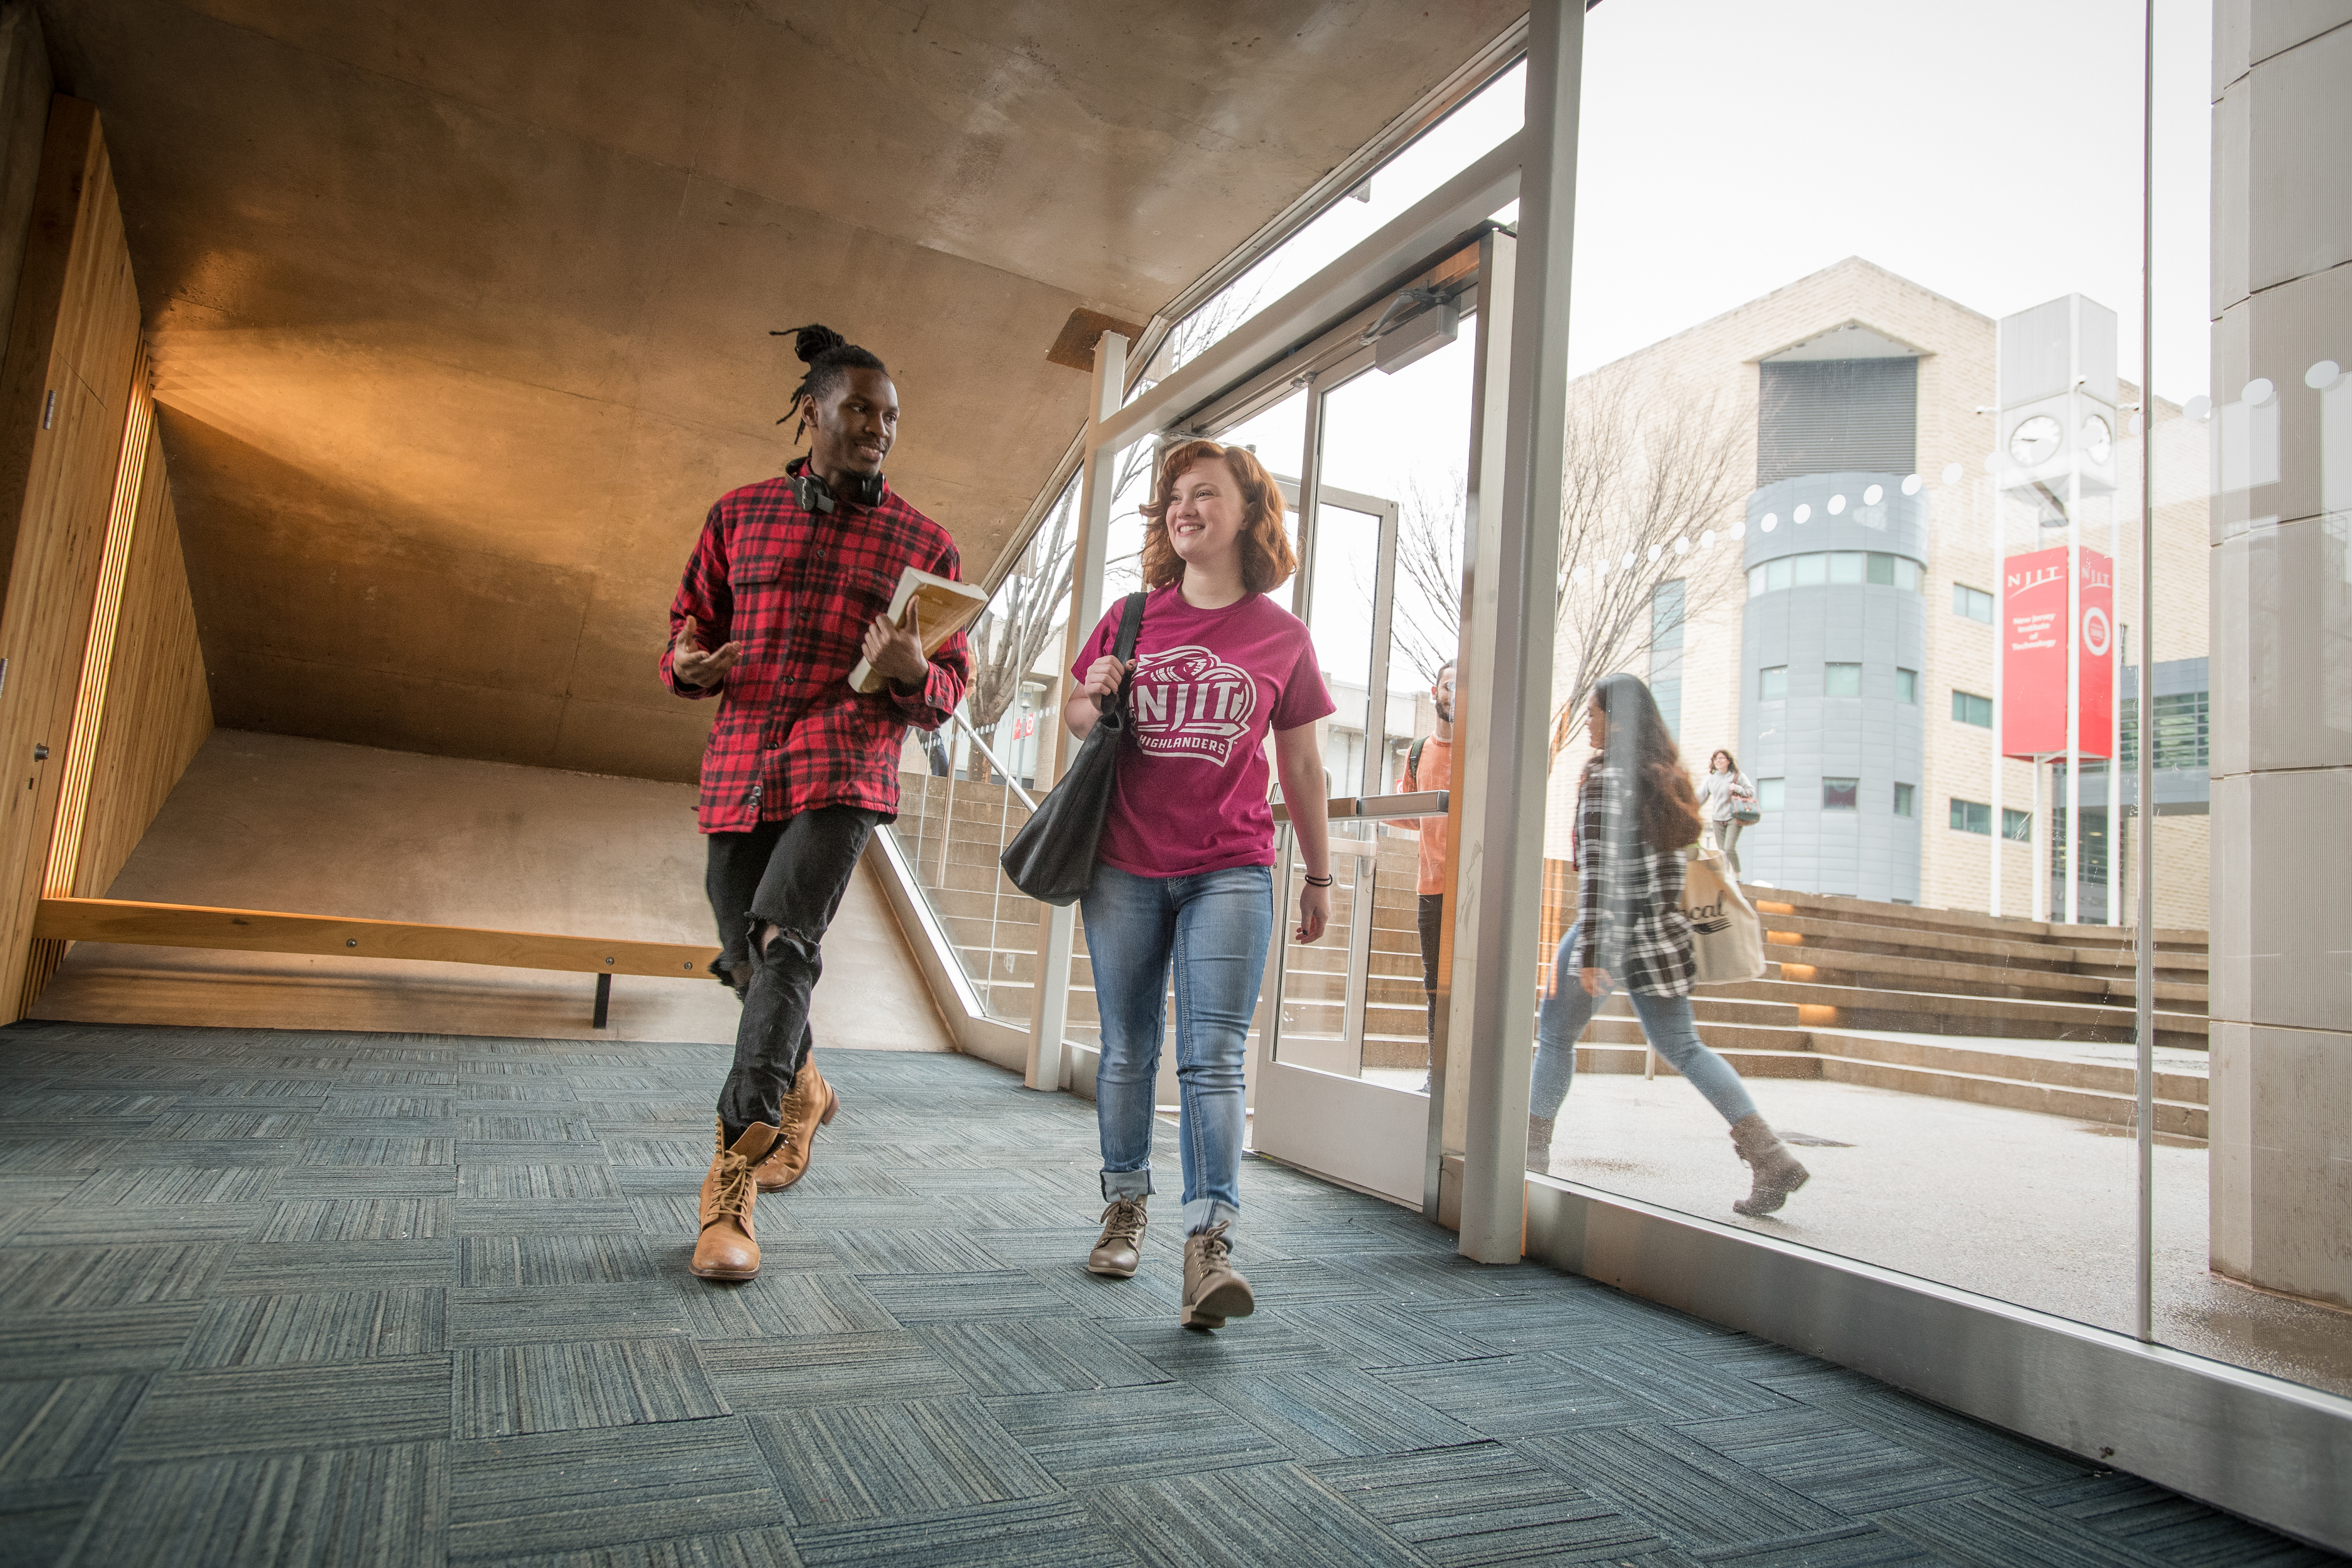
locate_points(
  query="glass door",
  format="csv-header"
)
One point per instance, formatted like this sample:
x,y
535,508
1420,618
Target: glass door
x,y
1342,1073
1325,987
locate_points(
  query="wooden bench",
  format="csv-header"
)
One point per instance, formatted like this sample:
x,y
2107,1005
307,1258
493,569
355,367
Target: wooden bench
x,y
269,931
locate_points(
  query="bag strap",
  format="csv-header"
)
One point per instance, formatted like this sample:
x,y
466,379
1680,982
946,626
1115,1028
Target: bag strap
x,y
1412,763
1130,626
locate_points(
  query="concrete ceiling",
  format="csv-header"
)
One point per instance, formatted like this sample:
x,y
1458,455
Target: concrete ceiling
x,y
460,307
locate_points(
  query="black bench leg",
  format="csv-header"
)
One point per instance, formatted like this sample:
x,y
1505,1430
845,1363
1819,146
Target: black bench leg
x,y
603,1000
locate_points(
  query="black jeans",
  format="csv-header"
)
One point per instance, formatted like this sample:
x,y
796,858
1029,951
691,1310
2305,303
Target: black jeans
x,y
1432,915
791,875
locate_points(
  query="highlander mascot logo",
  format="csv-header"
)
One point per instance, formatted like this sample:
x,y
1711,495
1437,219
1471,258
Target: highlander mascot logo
x,y
1190,703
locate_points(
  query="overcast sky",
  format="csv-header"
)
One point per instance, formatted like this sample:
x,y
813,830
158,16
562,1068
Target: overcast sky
x,y
1991,152
1729,147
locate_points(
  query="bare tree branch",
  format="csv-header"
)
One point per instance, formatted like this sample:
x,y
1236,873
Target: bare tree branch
x,y
1030,605
1427,624
1648,495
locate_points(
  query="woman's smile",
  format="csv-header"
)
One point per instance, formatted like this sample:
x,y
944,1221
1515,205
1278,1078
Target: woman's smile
x,y
1205,514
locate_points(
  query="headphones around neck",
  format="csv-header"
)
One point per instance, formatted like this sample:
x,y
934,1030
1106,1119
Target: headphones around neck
x,y
814,495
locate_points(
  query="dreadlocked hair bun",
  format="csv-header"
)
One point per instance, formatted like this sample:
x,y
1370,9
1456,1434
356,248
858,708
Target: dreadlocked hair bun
x,y
814,340
829,357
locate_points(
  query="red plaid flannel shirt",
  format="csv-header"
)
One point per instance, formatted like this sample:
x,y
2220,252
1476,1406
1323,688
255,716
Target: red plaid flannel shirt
x,y
798,590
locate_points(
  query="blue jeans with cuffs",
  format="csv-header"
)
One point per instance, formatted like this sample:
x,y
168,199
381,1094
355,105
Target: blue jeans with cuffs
x,y
1212,929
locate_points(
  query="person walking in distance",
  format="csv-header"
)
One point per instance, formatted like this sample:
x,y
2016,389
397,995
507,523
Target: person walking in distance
x,y
1635,813
787,588
1429,765
1184,873
1722,795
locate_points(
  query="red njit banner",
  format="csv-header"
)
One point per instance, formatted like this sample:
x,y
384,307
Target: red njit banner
x,y
2033,652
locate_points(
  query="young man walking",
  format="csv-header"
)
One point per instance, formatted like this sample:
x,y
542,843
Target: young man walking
x,y
787,588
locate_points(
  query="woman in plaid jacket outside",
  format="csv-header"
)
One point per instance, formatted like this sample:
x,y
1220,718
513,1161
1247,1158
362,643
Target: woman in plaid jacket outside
x,y
1635,813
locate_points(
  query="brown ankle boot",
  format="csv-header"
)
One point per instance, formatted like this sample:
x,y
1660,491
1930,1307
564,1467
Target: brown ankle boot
x,y
1119,1250
1213,1291
812,1103
1539,1145
726,1250
1778,1174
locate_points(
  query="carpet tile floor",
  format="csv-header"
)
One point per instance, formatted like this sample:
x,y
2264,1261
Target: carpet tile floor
x,y
287,1298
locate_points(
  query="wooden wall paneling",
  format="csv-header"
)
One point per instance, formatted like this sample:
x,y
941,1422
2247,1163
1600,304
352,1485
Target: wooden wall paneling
x,y
64,395
158,707
98,648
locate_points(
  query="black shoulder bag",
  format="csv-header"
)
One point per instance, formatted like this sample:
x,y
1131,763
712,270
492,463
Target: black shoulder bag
x,y
1052,859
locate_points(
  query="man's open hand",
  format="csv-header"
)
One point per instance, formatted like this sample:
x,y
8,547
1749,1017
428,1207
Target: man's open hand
x,y
694,667
896,654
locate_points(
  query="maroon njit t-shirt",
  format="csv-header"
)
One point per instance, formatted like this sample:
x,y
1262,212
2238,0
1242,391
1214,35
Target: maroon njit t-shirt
x,y
1208,685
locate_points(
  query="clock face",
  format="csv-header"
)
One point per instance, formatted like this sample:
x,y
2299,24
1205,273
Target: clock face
x,y
2032,443
2097,437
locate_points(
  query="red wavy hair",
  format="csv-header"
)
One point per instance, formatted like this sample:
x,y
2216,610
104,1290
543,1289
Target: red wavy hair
x,y
1267,559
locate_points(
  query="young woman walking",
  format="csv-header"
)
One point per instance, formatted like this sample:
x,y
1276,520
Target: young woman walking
x,y
1720,795
1635,813
1184,876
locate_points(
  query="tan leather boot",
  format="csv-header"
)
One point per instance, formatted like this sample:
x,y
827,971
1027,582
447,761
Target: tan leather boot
x,y
1120,1249
1778,1173
812,1103
726,1250
1213,1291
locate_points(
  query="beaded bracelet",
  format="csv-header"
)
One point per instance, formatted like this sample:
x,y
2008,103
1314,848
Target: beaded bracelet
x,y
1319,881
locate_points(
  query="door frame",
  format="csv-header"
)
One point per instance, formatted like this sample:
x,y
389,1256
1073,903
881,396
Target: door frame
x,y
1367,1135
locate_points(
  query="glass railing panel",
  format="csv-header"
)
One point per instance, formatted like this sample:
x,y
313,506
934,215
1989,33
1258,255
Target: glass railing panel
x,y
952,825
968,786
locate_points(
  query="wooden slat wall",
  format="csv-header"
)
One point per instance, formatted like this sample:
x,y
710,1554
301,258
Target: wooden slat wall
x,y
158,708
75,333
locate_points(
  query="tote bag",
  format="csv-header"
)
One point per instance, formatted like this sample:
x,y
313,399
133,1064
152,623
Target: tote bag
x,y
1052,859
1727,940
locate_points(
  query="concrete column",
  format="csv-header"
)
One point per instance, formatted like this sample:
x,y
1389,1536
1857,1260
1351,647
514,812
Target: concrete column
x,y
2281,647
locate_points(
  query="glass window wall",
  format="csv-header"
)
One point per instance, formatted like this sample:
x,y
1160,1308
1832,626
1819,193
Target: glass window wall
x,y
1931,996
1944,408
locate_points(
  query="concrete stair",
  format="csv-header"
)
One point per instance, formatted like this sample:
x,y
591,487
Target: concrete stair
x,y
2022,1014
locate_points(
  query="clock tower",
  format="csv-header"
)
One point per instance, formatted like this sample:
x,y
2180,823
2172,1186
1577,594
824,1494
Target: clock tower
x,y
2054,463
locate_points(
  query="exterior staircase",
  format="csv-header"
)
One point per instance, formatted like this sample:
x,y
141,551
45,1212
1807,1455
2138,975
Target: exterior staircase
x,y
2027,1015
2024,1014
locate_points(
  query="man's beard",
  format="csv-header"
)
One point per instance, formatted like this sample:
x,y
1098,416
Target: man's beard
x,y
1444,708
